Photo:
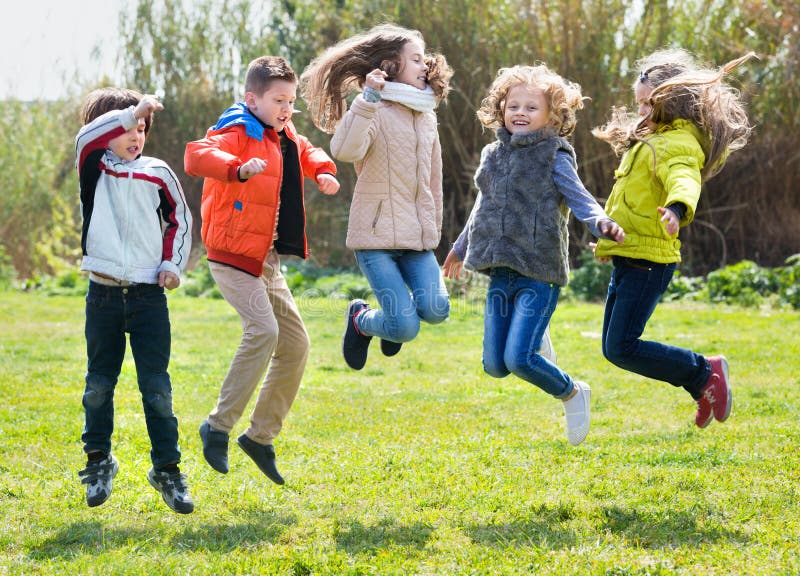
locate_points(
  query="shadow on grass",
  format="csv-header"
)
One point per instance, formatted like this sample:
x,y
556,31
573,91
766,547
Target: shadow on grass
x,y
354,537
93,536
658,529
546,529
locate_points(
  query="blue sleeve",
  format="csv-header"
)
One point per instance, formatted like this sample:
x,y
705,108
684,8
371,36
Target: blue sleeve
x,y
462,242
577,197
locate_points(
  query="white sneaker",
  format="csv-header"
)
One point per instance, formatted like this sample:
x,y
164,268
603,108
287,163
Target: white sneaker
x,y
546,347
577,412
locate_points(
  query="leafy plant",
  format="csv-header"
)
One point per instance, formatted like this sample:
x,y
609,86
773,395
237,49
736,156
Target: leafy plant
x,y
589,282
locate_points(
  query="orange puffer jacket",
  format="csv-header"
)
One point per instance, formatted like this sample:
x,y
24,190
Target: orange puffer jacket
x,y
238,218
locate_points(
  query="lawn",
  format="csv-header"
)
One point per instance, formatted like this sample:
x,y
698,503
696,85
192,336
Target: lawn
x,y
420,463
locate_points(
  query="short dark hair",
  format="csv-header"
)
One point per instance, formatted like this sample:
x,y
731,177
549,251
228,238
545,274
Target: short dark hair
x,y
263,70
103,100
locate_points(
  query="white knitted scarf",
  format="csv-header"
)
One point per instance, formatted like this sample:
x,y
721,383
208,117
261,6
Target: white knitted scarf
x,y
408,95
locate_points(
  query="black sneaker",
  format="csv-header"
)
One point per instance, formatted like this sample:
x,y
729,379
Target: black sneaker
x,y
263,455
173,488
390,348
354,344
99,479
215,447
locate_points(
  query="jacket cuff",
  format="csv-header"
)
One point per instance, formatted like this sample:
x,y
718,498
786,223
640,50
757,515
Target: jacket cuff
x,y
167,266
233,171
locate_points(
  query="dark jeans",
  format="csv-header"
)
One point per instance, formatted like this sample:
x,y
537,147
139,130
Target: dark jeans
x,y
635,289
518,311
141,311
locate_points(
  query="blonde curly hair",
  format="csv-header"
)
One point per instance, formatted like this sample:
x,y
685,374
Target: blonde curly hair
x,y
563,97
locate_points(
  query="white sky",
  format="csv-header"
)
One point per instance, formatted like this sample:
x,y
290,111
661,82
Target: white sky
x,y
47,44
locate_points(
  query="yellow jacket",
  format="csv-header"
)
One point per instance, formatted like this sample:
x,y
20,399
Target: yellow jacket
x,y
644,182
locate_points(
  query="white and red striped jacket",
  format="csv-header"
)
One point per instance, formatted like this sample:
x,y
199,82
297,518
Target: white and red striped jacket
x,y
135,219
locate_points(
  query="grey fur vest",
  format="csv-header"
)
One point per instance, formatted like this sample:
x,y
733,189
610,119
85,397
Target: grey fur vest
x,y
520,221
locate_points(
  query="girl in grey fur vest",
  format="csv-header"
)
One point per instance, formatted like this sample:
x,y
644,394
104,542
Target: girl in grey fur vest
x,y
517,231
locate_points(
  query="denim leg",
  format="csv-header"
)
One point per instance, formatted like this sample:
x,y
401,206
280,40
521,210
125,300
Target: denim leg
x,y
533,306
633,293
518,311
397,318
496,324
105,351
147,318
421,273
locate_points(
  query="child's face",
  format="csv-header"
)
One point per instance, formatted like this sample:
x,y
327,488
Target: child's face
x,y
643,101
413,69
275,106
129,145
525,109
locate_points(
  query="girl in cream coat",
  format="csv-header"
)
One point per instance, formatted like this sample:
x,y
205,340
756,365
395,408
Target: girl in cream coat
x,y
390,134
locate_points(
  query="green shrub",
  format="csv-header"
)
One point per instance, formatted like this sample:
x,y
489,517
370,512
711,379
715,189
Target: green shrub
x,y
744,283
684,288
301,276
788,281
589,281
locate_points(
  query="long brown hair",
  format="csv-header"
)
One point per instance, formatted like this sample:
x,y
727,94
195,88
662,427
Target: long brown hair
x,y
342,68
684,88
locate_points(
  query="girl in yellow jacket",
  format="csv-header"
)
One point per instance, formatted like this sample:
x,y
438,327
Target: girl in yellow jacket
x,y
688,122
390,133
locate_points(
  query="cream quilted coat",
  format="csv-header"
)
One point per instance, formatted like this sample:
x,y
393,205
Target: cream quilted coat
x,y
397,201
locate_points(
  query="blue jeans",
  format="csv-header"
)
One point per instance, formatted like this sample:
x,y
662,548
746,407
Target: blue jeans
x,y
140,310
518,310
391,274
635,289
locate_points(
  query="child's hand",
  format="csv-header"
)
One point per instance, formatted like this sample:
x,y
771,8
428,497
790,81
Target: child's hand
x,y
593,246
671,220
251,168
168,280
376,79
327,184
452,265
146,106
611,229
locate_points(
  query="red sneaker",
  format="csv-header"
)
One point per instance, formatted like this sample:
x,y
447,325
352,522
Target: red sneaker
x,y
717,398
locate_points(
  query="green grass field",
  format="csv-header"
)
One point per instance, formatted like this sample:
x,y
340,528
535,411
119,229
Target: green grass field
x,y
419,464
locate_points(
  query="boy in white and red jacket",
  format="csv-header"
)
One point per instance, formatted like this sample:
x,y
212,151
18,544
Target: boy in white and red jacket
x,y
136,239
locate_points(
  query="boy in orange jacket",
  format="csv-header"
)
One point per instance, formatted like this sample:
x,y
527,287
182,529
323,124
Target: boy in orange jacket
x,y
254,161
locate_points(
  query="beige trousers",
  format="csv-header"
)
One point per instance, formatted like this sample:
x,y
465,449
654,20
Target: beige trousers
x,y
273,334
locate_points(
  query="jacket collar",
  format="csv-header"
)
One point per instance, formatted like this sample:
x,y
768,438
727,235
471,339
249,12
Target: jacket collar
x,y
238,114
522,139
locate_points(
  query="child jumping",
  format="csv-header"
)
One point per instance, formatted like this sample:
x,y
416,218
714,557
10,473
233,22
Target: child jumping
x,y
517,230
688,122
254,161
390,133
136,239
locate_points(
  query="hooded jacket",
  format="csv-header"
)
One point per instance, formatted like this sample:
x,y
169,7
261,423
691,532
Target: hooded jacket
x,y
135,219
663,169
239,218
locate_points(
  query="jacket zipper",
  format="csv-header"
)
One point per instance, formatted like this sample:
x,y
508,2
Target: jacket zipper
x,y
377,216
